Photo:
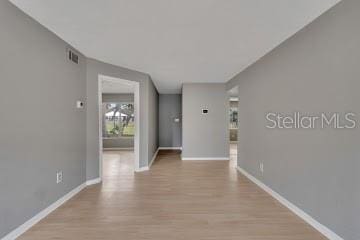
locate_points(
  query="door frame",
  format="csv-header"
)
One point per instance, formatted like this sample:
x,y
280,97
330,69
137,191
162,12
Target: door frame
x,y
136,86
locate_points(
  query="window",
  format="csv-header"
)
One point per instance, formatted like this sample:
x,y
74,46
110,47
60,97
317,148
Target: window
x,y
118,120
233,117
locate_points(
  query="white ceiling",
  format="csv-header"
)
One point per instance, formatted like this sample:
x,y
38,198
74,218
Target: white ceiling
x,y
176,41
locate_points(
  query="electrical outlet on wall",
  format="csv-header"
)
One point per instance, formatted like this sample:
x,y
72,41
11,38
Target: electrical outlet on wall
x,y
59,177
261,167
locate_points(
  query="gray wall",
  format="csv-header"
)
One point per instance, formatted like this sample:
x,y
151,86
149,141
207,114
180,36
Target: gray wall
x,y
152,120
170,131
233,135
205,136
118,97
315,71
41,131
148,109
120,142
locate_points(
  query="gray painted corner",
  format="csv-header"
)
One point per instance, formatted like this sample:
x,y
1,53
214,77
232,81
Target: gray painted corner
x,y
315,71
170,131
205,135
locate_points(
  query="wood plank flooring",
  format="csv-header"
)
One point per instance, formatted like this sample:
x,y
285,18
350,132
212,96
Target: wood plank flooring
x,y
182,200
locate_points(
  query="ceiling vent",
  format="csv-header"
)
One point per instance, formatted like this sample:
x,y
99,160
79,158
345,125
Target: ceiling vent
x,y
73,56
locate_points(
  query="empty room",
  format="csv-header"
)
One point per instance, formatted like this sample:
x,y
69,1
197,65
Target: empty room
x,y
186,120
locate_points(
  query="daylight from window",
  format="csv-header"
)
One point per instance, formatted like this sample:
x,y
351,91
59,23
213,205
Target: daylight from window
x,y
118,120
233,118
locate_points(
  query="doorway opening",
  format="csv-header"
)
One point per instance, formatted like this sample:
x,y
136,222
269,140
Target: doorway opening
x,y
119,128
233,102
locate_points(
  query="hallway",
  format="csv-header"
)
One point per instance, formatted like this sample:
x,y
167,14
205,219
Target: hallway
x,y
174,200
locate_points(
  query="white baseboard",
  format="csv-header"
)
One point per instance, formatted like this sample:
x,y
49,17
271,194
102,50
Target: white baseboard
x,y
170,148
93,181
154,157
306,217
31,222
142,169
205,159
147,168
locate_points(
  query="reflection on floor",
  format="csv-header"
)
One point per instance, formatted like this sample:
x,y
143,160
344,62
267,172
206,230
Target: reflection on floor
x,y
117,163
233,155
176,199
118,169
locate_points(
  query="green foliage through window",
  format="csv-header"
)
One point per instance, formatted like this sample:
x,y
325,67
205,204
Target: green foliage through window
x,y
118,120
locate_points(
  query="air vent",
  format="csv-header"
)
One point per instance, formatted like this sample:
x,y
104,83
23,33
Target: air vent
x,y
73,56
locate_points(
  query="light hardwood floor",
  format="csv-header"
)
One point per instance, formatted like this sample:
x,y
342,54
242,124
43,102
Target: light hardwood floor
x,y
174,200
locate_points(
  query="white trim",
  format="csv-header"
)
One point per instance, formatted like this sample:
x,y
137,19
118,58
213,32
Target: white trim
x,y
154,157
31,222
100,126
136,86
205,159
93,181
306,217
147,168
170,148
137,124
142,169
